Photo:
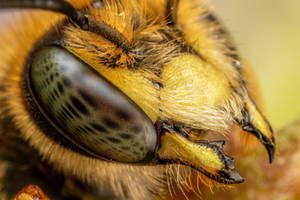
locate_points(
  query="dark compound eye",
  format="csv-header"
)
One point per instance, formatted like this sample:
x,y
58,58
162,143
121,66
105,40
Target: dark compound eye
x,y
87,109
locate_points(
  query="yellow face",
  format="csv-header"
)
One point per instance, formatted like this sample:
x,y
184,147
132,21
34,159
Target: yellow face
x,y
122,92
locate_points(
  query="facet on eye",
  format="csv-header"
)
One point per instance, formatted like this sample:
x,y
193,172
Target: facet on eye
x,y
87,109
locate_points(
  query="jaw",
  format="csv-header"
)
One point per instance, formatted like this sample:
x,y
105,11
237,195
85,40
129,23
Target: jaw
x,y
206,156
255,123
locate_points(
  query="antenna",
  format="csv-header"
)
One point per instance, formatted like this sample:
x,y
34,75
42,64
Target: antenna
x,y
78,17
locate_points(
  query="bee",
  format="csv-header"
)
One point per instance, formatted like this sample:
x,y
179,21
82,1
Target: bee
x,y
114,99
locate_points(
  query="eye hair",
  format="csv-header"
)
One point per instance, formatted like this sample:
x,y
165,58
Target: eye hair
x,y
81,19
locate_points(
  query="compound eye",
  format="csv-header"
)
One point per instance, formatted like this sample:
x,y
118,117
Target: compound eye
x,y
87,109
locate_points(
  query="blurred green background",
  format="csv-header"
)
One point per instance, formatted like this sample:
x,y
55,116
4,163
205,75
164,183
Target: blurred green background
x,y
267,33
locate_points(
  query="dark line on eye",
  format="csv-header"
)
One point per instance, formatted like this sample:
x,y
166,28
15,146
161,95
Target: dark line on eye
x,y
51,77
88,129
68,113
79,105
111,124
98,127
125,136
124,115
125,148
60,88
72,110
56,93
88,98
114,140
136,129
66,82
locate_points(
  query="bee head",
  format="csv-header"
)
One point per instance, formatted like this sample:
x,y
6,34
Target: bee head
x,y
131,89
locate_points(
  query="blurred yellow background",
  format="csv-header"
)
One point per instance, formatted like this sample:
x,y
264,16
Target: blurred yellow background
x,y
267,33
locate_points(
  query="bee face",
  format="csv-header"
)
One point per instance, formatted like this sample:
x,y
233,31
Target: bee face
x,y
113,93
